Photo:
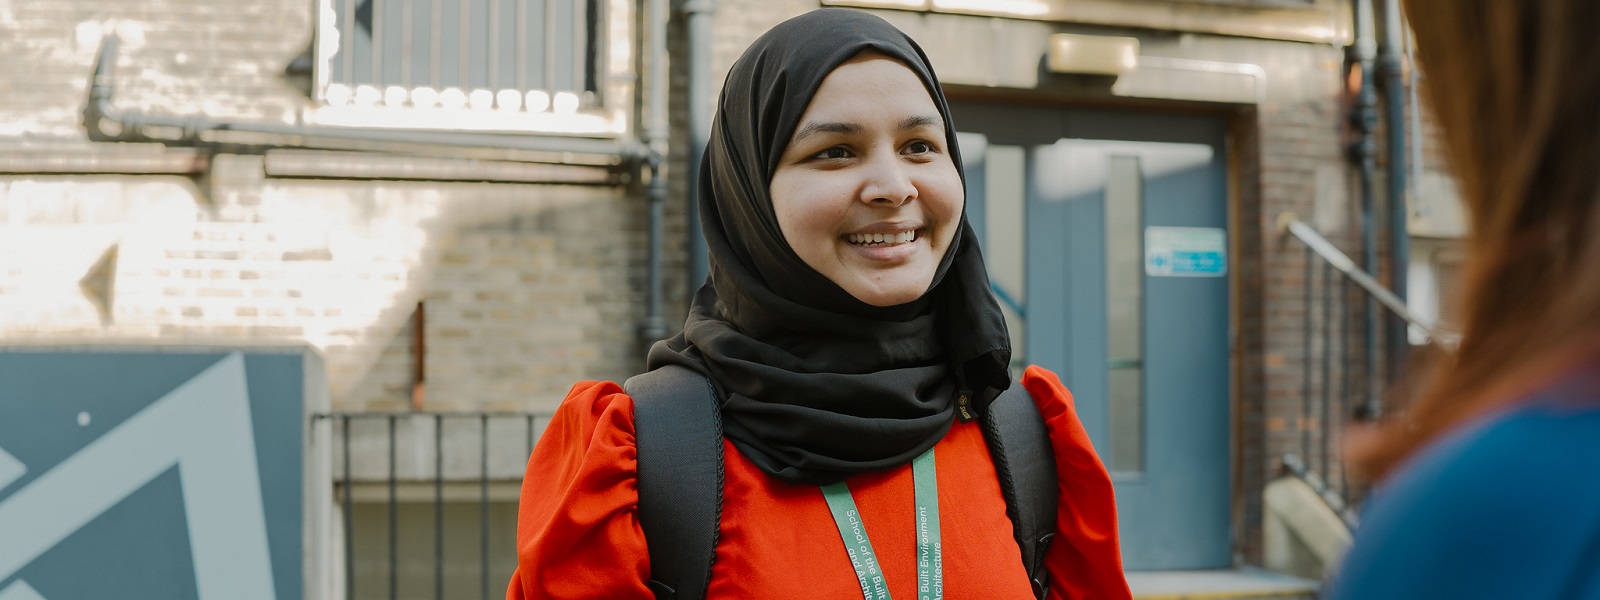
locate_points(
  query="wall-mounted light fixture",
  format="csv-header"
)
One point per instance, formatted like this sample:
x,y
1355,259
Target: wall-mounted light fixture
x,y
1092,54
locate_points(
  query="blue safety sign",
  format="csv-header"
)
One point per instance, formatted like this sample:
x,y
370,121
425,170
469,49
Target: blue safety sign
x,y
1185,252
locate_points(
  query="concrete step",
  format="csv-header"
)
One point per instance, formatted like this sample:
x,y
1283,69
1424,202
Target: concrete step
x,y
1245,583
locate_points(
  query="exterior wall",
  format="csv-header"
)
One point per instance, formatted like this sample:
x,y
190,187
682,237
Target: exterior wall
x,y
528,287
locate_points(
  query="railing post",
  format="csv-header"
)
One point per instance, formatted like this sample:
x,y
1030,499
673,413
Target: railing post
x,y
394,526
349,514
1305,397
483,509
438,506
1327,364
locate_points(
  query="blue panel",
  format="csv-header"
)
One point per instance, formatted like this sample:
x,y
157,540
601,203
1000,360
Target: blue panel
x,y
148,557
42,392
276,383
117,435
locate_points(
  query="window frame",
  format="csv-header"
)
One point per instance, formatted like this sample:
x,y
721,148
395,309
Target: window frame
x,y
603,113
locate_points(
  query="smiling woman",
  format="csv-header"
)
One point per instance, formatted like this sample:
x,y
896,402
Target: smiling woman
x,y
866,193
856,360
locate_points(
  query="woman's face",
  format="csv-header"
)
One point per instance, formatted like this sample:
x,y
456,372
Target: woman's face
x,y
866,192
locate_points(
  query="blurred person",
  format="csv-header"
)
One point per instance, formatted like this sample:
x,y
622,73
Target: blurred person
x,y
849,332
1488,484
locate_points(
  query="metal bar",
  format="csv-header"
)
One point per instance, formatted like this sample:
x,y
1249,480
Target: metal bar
x,y
597,34
436,44
466,50
438,506
1305,396
394,525
1343,390
347,42
483,498
493,43
377,44
406,20
550,46
349,516
580,44
522,45
1333,256
1327,363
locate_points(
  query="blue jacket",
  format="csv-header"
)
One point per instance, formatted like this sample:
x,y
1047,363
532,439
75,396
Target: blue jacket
x,y
1505,508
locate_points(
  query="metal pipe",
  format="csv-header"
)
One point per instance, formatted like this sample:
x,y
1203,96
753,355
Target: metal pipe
x,y
701,107
655,138
106,124
1399,235
1363,152
655,325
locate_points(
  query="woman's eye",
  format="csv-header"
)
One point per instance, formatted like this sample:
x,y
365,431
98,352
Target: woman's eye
x,y
833,153
920,147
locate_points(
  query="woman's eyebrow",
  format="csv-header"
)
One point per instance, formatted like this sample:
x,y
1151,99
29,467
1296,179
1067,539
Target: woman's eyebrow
x,y
815,127
918,121
829,127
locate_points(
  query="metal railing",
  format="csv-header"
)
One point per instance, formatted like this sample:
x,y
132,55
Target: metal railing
x,y
348,477
1338,385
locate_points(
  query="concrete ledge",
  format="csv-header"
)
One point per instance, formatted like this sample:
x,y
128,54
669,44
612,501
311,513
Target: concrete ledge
x,y
1302,535
1245,583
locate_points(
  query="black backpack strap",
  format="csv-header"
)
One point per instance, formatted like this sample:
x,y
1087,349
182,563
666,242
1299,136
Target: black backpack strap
x,y
1026,466
678,432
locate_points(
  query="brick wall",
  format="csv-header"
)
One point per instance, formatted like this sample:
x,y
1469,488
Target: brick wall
x,y
528,288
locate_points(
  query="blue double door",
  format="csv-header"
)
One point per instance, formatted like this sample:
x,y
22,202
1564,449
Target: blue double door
x,y
1107,242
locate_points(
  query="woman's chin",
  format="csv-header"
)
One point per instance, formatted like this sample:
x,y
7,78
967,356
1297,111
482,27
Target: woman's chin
x,y
888,294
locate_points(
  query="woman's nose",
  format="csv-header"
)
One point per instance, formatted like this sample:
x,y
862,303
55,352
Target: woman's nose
x,y
888,182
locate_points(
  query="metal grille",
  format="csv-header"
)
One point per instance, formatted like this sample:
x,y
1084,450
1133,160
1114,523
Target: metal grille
x,y
497,48
427,527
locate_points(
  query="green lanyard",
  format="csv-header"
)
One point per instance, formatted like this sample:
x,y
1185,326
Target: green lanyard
x,y
930,558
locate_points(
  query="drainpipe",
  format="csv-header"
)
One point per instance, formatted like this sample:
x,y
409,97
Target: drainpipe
x,y
1365,118
1399,236
655,138
700,108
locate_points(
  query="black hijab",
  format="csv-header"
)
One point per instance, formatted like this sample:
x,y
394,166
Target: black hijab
x,y
815,384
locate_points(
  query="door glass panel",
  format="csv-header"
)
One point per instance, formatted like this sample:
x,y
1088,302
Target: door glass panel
x,y
1124,311
1005,238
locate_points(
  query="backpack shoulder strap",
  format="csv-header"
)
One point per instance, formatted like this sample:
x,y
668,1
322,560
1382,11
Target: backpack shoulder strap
x,y
1026,466
678,434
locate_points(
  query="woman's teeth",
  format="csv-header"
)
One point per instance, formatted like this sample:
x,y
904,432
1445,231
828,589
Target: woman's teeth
x,y
881,239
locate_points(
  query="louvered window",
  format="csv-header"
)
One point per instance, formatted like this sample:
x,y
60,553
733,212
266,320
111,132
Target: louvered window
x,y
487,64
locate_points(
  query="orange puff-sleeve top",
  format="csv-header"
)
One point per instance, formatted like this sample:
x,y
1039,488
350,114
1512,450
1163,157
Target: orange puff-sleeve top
x,y
578,532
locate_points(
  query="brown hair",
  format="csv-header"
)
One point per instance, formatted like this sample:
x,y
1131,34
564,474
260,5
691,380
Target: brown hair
x,y
1515,86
